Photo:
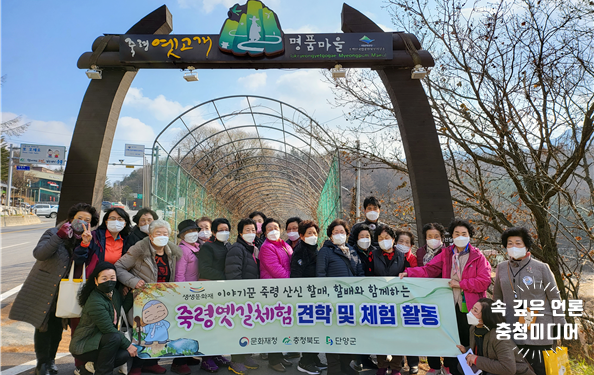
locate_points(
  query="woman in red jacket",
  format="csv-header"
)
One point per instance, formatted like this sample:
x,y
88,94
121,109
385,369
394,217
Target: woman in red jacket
x,y
470,275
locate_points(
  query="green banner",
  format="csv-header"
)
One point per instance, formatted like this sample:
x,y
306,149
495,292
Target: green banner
x,y
375,315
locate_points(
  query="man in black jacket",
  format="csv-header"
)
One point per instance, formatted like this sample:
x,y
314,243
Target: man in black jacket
x,y
372,209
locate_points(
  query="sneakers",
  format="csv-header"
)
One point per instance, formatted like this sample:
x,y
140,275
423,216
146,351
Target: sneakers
x,y
278,367
191,361
414,370
51,367
319,364
154,369
208,364
308,369
237,368
250,363
221,361
292,355
381,371
286,363
181,369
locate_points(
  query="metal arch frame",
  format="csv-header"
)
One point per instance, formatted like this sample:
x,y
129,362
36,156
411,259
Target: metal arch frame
x,y
256,198
231,193
256,187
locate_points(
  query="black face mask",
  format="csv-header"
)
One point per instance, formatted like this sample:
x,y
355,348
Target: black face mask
x,y
107,286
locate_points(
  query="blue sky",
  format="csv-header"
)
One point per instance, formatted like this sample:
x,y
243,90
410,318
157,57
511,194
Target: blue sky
x,y
42,41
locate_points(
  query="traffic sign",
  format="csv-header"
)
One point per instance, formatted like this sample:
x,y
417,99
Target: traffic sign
x,y
134,151
23,168
139,196
44,154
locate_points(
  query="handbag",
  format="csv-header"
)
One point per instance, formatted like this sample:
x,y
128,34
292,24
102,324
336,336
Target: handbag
x,y
556,361
67,305
125,368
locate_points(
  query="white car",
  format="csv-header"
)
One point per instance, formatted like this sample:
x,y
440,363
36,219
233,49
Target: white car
x,y
46,210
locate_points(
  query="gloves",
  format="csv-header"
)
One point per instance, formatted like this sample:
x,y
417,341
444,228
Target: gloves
x,y
65,231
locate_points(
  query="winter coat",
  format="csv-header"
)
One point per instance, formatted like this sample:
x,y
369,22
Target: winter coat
x,y
37,298
476,276
500,357
382,266
139,263
304,260
134,236
241,262
331,262
97,320
211,260
186,268
366,257
353,241
95,252
275,260
422,251
532,276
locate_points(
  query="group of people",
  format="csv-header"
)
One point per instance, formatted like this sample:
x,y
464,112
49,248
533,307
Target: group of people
x,y
119,257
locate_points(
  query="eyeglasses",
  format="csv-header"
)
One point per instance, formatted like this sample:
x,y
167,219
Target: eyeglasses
x,y
111,218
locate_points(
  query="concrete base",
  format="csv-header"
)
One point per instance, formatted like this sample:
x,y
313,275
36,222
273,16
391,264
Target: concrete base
x,y
13,221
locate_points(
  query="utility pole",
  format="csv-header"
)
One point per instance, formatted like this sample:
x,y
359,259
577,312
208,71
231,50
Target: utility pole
x,y
9,187
358,180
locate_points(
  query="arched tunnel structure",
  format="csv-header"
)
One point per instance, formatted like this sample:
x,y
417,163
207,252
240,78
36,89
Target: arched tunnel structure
x,y
237,154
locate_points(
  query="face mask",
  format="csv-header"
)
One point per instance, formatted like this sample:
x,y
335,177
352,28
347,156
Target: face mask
x,y
372,215
249,237
222,236
144,228
191,237
364,243
386,244
115,226
472,320
107,286
258,228
204,234
273,235
311,240
434,243
516,252
339,239
461,241
78,226
402,248
293,236
160,241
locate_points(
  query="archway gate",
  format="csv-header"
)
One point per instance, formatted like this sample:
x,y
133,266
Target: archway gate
x,y
362,44
230,156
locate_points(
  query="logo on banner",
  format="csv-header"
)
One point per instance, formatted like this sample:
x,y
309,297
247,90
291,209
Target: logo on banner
x,y
251,29
329,341
244,341
287,341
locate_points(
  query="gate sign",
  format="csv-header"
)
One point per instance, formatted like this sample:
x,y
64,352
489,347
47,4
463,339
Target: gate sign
x,y
134,151
43,154
23,168
375,315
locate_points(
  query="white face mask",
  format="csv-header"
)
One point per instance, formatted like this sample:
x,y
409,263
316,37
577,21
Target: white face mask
x,y
364,243
434,243
472,320
273,235
516,252
293,236
160,240
339,239
386,244
402,248
312,240
144,229
249,237
461,241
191,237
204,234
372,215
115,226
222,236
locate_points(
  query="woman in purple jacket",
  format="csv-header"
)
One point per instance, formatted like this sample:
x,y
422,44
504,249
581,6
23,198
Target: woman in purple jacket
x,y
275,263
470,275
